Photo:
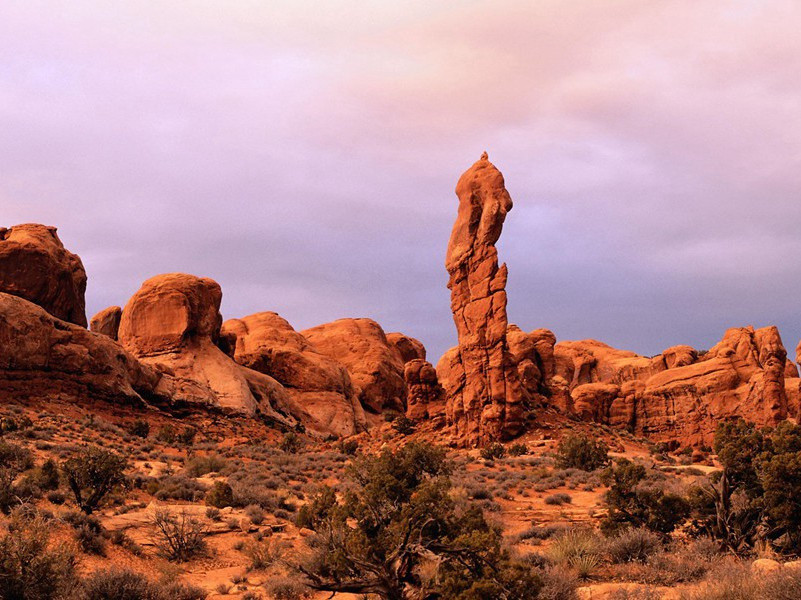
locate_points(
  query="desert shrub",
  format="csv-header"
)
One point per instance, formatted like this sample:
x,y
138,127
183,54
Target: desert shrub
x,y
47,477
166,434
518,449
290,443
286,588
255,513
348,447
634,501
139,428
220,495
493,451
403,425
180,536
578,451
263,553
123,584
558,584
558,499
187,435
30,569
91,474
579,549
633,545
197,466
88,532
176,487
14,459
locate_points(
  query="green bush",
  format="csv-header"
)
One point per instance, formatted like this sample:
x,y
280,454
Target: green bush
x,y
139,428
290,443
577,451
91,474
30,568
493,451
633,500
403,425
220,495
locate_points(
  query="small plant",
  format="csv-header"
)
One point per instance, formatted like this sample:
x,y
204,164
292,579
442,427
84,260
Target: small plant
x,y
633,545
220,495
179,537
518,449
255,513
577,451
403,425
579,549
263,554
290,443
139,428
166,434
558,499
29,567
348,447
493,451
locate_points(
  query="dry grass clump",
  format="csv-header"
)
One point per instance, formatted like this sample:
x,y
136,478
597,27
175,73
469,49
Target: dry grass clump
x,y
579,549
737,581
633,545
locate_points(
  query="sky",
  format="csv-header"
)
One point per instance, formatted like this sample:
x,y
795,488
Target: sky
x,y
304,154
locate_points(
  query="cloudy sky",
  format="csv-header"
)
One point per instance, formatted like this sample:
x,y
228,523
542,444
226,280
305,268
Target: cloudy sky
x,y
304,155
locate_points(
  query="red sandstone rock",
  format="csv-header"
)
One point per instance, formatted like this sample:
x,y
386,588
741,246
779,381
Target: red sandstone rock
x,y
487,405
375,367
34,265
107,321
424,393
679,394
45,358
408,347
267,343
172,324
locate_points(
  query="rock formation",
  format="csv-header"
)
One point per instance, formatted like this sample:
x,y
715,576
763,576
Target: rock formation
x,y
107,321
375,367
407,347
425,398
680,394
172,323
34,265
267,343
44,358
484,399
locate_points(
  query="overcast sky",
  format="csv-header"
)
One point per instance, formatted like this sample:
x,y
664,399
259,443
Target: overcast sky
x,y
304,155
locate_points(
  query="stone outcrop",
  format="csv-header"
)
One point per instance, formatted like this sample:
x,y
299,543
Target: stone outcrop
x,y
425,397
680,394
172,323
484,399
107,321
267,343
34,265
45,358
407,347
374,365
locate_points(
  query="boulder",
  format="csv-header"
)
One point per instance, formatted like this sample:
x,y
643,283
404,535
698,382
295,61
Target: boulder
x,y
486,404
34,265
107,321
172,323
320,385
45,358
375,367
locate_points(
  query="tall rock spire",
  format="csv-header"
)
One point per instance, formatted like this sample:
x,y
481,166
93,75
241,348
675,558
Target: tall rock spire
x,y
487,405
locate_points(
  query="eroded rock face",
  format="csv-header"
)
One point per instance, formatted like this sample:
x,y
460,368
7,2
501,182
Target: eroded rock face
x,y
407,347
107,321
680,394
320,385
172,324
43,358
34,265
484,400
374,365
425,398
